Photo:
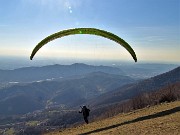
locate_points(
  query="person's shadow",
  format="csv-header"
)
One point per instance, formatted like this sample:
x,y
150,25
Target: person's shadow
x,y
159,114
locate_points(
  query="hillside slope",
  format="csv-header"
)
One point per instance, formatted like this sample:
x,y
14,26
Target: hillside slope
x,y
131,90
69,92
161,119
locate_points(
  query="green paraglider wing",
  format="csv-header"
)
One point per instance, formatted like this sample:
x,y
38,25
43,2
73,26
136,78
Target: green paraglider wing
x,y
92,31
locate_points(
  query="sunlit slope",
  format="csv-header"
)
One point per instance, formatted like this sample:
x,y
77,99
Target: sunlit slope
x,y
161,119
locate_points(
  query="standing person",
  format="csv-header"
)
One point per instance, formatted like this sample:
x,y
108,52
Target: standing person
x,y
85,111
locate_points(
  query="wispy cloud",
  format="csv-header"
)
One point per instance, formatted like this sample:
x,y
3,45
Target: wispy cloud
x,y
151,38
158,34
55,4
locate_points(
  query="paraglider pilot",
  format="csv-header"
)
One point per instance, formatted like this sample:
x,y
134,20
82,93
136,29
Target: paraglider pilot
x,y
85,111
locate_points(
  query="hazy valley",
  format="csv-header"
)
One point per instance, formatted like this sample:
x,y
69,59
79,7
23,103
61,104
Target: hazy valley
x,y
48,97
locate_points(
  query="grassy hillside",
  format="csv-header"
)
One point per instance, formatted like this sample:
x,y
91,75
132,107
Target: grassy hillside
x,y
161,119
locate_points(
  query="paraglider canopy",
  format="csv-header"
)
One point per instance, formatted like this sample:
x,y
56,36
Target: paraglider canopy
x,y
92,31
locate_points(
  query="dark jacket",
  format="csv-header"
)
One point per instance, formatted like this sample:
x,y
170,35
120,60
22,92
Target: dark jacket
x,y
85,111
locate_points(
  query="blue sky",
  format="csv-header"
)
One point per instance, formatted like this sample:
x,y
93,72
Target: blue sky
x,y
151,27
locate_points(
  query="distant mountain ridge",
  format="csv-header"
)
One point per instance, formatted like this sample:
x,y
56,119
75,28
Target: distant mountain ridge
x,y
30,74
98,88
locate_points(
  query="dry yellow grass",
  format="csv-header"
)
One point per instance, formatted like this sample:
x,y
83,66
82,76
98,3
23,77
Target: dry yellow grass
x,y
162,119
